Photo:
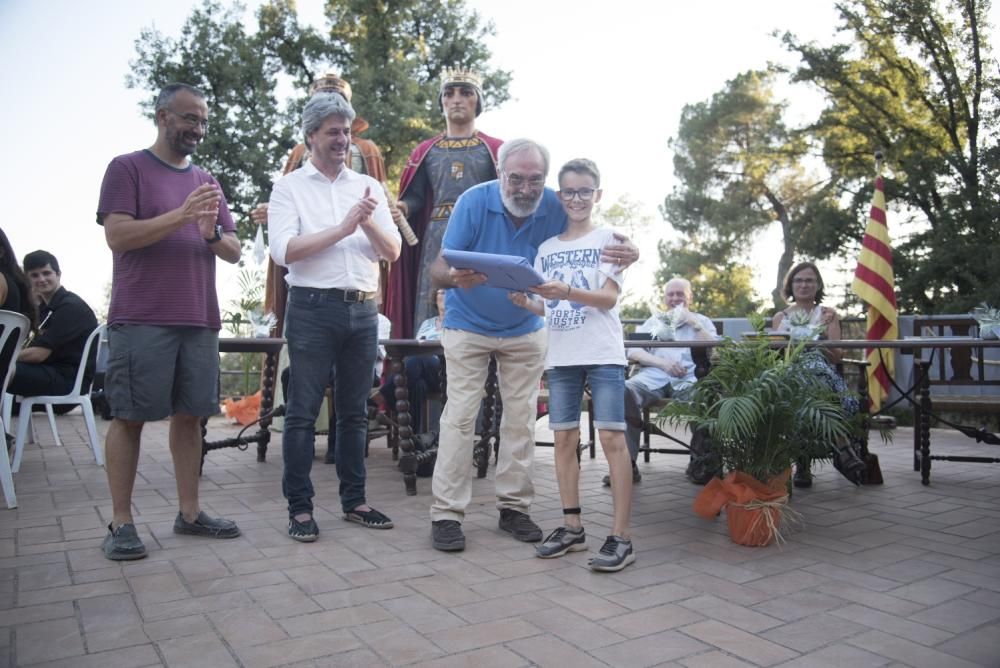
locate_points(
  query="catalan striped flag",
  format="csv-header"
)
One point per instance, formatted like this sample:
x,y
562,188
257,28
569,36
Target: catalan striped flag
x,y
874,283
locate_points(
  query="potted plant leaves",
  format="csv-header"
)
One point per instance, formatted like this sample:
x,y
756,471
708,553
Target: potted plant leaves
x,y
762,410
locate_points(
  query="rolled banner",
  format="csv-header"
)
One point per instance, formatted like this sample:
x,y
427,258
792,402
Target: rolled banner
x,y
399,219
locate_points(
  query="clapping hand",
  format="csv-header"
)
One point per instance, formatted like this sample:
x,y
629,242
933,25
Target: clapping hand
x,y
361,212
202,207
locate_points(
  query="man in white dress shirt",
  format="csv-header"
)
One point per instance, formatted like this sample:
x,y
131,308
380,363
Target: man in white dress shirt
x,y
329,226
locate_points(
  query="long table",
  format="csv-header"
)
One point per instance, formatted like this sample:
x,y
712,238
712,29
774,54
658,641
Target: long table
x,y
270,348
398,349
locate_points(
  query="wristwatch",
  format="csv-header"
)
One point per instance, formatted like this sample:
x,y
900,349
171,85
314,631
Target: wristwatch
x,y
218,235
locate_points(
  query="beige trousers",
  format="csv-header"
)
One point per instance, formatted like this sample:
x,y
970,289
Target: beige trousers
x,y
520,362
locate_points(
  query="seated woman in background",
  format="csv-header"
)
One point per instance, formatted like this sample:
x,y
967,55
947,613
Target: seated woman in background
x,y
807,318
421,370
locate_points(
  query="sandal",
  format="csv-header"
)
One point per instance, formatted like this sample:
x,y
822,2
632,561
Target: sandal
x,y
304,532
372,519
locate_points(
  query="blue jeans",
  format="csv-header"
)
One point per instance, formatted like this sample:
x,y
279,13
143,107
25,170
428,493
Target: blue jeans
x,y
330,341
607,387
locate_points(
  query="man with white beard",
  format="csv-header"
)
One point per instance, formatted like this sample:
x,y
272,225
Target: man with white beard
x,y
513,216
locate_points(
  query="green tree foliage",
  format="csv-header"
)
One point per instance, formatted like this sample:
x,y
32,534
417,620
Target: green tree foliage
x,y
248,131
624,215
916,78
392,53
740,168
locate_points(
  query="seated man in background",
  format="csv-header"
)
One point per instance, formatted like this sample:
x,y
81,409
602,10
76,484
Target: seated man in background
x,y
662,370
49,362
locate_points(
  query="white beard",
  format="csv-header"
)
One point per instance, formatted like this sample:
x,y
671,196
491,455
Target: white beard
x,y
519,210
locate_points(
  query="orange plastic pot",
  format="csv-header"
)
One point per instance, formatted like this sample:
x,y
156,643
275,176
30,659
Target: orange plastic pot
x,y
753,508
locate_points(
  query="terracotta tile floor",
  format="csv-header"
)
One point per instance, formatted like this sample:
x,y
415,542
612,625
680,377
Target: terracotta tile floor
x,y
897,575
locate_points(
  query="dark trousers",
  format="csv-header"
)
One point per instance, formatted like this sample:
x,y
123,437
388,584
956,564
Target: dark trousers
x,y
330,342
33,380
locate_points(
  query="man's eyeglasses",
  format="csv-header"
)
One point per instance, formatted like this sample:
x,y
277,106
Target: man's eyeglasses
x,y
516,180
190,119
803,281
585,194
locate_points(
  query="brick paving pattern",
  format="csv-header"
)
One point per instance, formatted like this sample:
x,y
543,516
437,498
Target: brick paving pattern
x,y
897,575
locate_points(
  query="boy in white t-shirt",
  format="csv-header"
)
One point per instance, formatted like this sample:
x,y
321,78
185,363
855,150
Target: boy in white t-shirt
x,y
579,301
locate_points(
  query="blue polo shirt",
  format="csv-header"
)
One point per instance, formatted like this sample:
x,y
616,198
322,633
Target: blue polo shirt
x,y
480,223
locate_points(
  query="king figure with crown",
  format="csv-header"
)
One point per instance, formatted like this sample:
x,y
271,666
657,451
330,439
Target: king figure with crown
x,y
438,171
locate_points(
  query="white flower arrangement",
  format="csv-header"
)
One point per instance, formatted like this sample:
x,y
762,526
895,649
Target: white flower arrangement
x,y
988,319
800,326
666,323
262,323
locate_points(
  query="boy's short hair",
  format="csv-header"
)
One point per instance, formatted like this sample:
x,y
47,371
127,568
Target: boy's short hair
x,y
581,166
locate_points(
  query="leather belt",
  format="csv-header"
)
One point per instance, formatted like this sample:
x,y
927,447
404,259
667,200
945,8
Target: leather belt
x,y
350,296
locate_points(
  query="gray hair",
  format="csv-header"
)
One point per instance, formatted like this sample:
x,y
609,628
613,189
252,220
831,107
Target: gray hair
x,y
169,92
514,146
688,288
321,106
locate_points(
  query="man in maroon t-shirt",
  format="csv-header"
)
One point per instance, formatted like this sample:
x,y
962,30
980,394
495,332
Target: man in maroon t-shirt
x,y
166,222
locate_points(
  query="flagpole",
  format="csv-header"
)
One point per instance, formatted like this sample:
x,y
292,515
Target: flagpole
x,y
874,284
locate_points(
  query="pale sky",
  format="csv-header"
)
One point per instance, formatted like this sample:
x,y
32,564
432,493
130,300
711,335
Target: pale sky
x,y
590,79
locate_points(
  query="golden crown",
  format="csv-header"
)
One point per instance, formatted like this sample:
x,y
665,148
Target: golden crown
x,y
461,75
330,81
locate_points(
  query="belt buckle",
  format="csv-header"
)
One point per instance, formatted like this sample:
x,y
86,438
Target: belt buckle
x,y
353,296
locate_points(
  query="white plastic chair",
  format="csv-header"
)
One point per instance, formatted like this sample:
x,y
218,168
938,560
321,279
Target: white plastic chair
x,y
14,329
78,395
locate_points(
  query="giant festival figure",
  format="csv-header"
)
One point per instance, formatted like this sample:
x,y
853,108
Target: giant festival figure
x,y
438,171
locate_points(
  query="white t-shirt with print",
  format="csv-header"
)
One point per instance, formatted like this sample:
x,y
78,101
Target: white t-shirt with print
x,y
580,334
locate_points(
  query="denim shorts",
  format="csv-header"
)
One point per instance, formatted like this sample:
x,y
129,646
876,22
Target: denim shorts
x,y
607,387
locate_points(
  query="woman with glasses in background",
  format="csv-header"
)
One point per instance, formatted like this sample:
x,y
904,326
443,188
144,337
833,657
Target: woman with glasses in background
x,y
806,318
804,291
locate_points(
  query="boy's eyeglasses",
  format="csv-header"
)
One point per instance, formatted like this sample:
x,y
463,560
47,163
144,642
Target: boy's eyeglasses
x,y
585,194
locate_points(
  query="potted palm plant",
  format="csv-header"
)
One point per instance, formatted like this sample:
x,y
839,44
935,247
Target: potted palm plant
x,y
762,410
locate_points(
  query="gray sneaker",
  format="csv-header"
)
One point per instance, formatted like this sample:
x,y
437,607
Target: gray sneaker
x,y
203,525
561,541
123,544
447,536
615,554
520,525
